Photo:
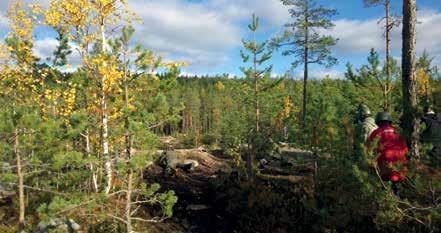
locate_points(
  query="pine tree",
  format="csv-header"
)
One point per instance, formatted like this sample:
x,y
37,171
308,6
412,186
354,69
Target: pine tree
x,y
375,78
411,123
21,88
137,76
62,51
391,21
304,41
257,56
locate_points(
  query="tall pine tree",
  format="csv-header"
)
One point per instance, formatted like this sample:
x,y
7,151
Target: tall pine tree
x,y
305,42
411,123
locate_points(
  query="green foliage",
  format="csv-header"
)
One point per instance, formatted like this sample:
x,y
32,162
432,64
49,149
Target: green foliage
x,y
255,49
62,51
373,78
71,159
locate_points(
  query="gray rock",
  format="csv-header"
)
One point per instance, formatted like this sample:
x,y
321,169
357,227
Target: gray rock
x,y
172,160
58,224
6,166
5,192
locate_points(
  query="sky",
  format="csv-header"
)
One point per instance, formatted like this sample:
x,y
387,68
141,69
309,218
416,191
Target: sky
x,y
207,34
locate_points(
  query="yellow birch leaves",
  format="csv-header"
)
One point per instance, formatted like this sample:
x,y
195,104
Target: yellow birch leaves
x,y
424,82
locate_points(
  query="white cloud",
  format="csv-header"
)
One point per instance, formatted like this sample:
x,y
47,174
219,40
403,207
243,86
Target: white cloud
x,y
3,21
319,73
185,31
203,33
324,73
357,37
429,34
45,48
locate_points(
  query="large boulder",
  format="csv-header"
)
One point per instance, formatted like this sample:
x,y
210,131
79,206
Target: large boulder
x,y
173,160
190,159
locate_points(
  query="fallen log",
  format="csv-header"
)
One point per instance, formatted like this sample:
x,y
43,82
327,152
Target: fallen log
x,y
197,207
288,178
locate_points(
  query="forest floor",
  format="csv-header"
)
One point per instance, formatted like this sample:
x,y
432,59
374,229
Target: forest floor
x,y
198,209
195,210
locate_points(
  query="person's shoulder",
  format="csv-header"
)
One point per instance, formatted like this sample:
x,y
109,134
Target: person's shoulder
x,y
375,133
370,121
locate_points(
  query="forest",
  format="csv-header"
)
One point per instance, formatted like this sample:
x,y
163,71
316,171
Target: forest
x,y
127,142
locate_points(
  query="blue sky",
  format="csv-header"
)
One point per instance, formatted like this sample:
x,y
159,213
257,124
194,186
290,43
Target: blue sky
x,y
207,33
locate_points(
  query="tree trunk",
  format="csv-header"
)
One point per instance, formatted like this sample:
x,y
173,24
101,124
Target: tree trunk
x,y
305,87
92,169
130,171
105,121
129,201
256,87
305,82
252,151
256,103
305,72
410,119
21,198
385,98
129,145
389,27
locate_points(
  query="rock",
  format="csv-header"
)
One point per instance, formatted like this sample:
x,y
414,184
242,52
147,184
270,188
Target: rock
x,y
5,193
173,160
263,162
58,224
201,149
6,166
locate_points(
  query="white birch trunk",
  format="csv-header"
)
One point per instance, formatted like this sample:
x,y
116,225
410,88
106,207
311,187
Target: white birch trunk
x,y
105,121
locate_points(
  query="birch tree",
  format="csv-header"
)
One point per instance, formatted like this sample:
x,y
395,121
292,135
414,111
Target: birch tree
x,y
86,22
